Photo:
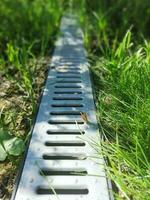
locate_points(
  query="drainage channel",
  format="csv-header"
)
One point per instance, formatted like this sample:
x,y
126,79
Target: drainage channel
x,y
60,162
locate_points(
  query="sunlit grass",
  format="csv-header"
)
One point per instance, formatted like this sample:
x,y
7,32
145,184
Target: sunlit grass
x,y
120,64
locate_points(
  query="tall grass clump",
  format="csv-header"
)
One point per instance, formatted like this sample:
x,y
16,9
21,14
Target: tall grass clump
x,y
25,22
27,32
123,109
116,35
105,22
28,29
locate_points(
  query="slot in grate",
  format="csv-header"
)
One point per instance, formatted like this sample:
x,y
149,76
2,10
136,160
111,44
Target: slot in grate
x,y
68,92
68,72
66,113
68,86
69,81
70,77
63,172
64,157
67,98
65,122
63,191
64,144
67,105
62,132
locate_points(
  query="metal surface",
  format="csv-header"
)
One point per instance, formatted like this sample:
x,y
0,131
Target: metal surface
x,y
60,162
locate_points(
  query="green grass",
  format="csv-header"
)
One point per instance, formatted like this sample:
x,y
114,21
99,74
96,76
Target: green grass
x,y
116,35
123,109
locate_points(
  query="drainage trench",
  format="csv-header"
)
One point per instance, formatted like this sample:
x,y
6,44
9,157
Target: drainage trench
x,y
60,162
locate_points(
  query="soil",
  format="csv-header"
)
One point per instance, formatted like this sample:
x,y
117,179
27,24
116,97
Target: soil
x,y
7,178
12,101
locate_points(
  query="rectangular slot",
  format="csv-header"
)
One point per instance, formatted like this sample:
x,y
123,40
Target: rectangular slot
x,y
71,62
65,122
68,81
63,172
52,67
64,157
70,59
73,132
62,71
68,86
65,113
68,92
66,66
68,76
73,58
67,105
68,72
67,98
62,191
64,144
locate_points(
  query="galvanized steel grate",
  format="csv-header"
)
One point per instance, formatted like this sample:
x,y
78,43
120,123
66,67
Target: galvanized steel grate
x,y
60,163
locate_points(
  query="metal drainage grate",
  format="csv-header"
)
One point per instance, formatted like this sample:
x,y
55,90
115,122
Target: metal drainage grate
x,y
60,163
